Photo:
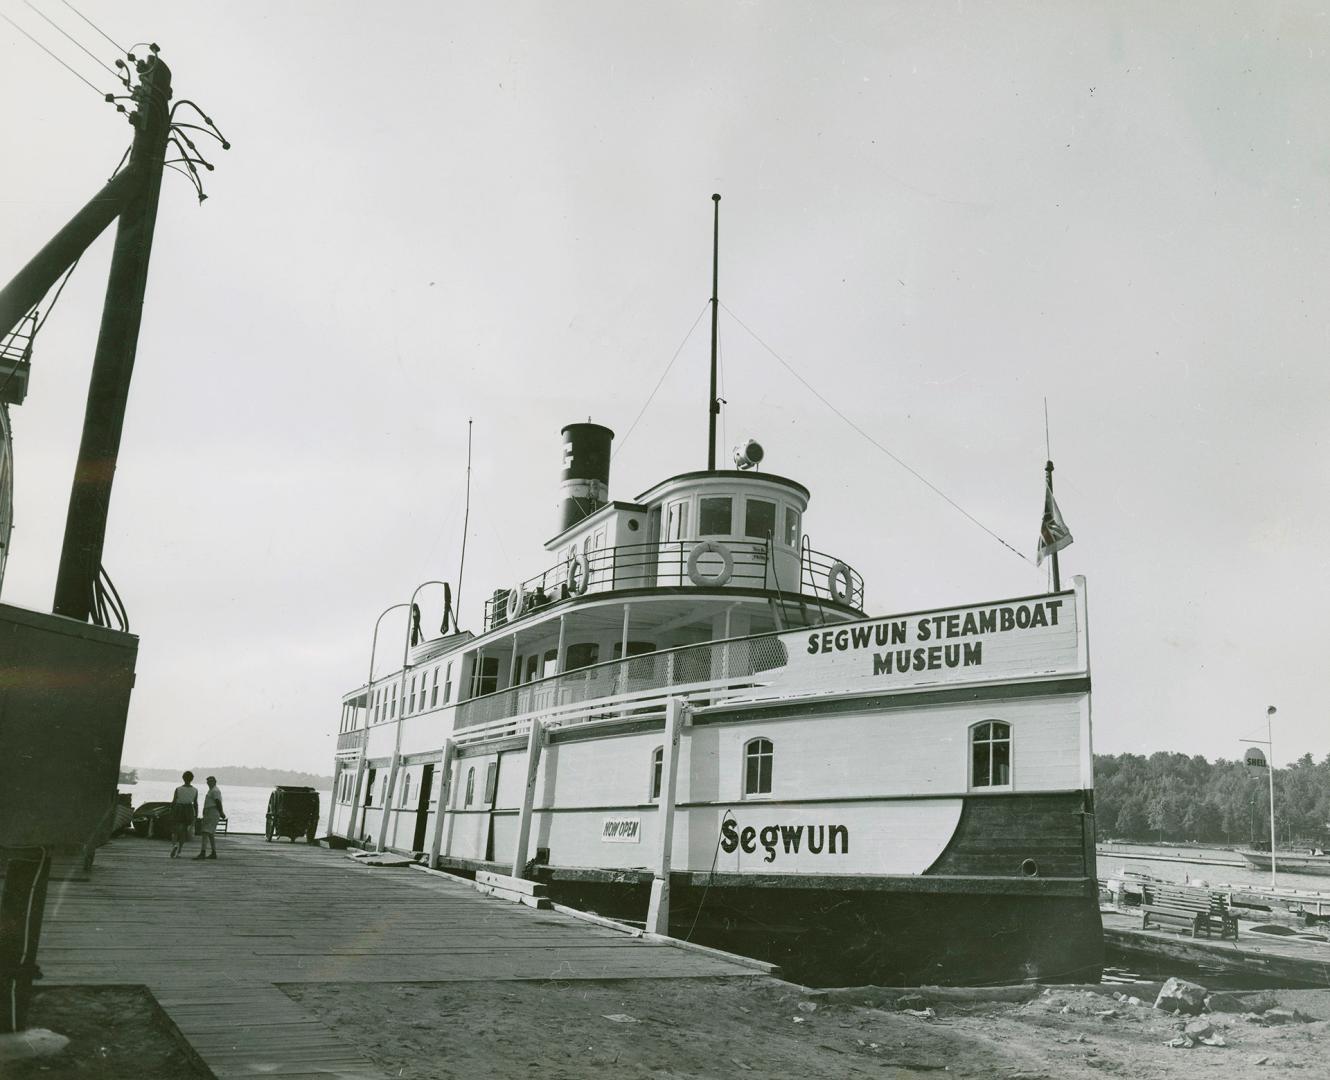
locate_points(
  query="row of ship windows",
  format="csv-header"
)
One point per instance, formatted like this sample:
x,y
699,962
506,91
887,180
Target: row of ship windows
x,y
715,517
427,691
990,767
383,705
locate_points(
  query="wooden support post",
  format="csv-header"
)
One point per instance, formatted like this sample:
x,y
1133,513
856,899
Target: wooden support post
x,y
356,822
338,768
512,665
534,743
658,913
445,794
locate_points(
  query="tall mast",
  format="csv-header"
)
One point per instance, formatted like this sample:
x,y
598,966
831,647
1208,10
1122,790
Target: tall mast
x,y
713,403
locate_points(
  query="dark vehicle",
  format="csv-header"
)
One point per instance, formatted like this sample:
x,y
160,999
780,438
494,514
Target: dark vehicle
x,y
153,820
292,812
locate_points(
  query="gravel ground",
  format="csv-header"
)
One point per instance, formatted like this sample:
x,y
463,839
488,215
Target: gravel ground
x,y
726,1028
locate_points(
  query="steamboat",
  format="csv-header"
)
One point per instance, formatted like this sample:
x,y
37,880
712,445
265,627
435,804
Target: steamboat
x,y
690,720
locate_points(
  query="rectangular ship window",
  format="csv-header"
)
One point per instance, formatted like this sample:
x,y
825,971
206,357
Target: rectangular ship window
x,y
715,515
792,523
759,519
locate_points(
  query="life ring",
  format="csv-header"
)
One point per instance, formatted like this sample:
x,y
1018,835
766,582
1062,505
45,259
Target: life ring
x,y
579,572
840,583
710,547
516,601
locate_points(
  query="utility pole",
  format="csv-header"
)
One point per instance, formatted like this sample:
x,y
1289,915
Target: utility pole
x,y
117,343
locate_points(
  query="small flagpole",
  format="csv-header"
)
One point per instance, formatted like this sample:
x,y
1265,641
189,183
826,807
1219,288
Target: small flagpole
x,y
1057,576
1048,479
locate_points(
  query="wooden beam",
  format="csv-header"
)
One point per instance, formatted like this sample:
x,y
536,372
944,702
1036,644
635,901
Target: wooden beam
x,y
533,747
445,795
658,913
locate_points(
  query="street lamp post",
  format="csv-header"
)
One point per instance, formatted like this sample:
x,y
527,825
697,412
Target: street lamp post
x,y
1269,743
356,807
401,710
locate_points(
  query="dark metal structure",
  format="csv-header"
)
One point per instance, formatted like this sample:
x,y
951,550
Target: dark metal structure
x,y
65,685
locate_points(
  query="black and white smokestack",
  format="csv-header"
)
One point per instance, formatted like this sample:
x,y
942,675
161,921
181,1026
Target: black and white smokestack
x,y
585,480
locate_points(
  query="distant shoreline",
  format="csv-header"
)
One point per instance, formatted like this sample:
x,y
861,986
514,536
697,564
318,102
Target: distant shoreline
x,y
239,775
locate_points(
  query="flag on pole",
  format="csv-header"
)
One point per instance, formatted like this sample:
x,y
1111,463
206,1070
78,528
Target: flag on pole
x,y
1053,533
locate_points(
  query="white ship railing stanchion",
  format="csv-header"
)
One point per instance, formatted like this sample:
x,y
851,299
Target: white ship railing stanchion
x,y
534,743
445,796
658,913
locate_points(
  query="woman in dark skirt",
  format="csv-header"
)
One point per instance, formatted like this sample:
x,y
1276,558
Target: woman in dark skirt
x,y
184,809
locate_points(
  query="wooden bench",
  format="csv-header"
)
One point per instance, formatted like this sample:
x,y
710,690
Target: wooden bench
x,y
1200,909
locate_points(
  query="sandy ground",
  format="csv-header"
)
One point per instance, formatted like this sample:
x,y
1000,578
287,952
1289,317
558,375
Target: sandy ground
x,y
763,1027
115,1033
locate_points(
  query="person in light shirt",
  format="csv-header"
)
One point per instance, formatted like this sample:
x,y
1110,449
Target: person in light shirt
x,y
212,814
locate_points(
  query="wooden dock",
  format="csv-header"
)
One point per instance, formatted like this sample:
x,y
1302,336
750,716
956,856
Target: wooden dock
x,y
215,940
1290,961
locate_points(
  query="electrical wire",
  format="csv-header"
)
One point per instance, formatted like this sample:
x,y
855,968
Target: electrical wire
x,y
77,44
912,471
715,858
652,395
100,93
99,30
51,306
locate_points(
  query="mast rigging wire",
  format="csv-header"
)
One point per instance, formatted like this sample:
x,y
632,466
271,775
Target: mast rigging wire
x,y
646,404
912,471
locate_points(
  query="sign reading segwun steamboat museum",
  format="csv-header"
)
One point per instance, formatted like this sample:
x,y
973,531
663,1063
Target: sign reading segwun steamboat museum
x,y
1038,637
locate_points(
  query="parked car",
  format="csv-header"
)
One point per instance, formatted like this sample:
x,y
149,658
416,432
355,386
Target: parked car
x,y
153,820
292,812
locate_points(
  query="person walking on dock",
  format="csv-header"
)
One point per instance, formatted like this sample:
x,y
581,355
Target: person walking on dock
x,y
212,814
184,811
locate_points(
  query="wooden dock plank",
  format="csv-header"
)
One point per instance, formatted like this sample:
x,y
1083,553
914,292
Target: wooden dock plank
x,y
215,940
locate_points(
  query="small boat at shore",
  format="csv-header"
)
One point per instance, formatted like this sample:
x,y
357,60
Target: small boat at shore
x,y
1306,862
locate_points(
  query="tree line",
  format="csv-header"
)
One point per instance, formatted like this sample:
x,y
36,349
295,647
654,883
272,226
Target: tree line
x,y
1177,797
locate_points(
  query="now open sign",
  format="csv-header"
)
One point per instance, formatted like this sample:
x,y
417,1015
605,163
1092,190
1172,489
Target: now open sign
x,y
621,830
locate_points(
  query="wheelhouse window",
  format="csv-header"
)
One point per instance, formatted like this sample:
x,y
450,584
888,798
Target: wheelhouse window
x,y
990,755
715,515
792,523
676,520
759,519
470,786
657,771
758,756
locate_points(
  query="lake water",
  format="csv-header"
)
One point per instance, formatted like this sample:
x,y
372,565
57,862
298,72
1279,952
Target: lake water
x,y
1157,860
246,807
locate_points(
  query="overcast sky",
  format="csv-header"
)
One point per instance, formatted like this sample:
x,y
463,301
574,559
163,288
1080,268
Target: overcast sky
x,y
938,215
